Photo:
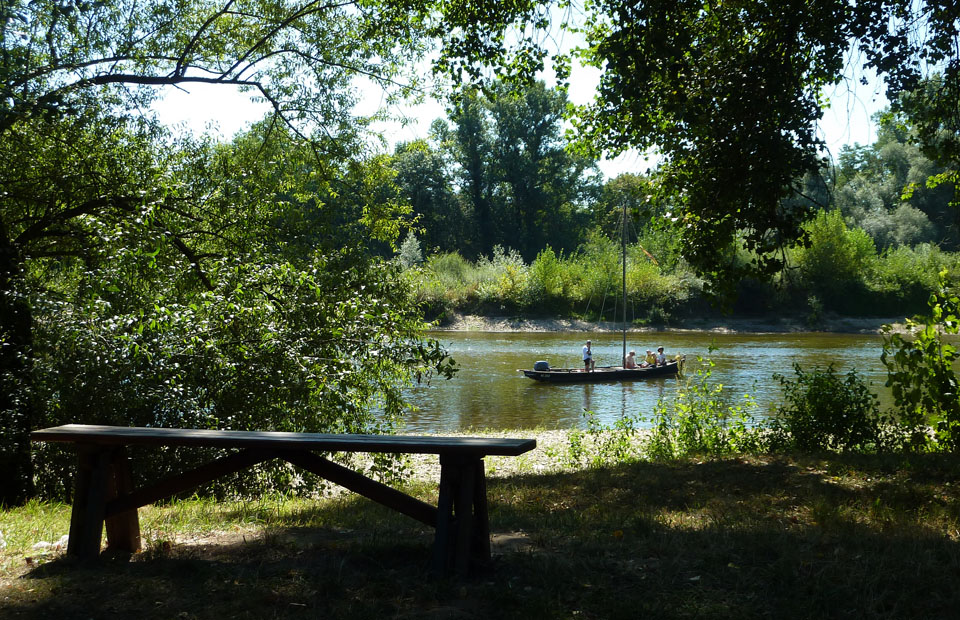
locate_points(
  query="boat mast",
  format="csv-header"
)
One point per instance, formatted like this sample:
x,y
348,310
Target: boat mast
x,y
623,250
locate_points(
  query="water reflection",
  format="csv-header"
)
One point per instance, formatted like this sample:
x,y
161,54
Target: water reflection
x,y
488,392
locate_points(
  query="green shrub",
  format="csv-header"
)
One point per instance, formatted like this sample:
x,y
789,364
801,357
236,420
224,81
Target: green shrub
x,y
662,245
825,411
545,278
599,445
446,282
410,253
502,279
600,273
450,267
700,420
920,369
906,276
590,282
838,263
273,347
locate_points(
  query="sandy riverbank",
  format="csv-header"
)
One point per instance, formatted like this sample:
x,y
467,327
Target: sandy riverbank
x,y
845,325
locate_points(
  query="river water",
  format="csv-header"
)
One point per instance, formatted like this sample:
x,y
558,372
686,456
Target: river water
x,y
488,392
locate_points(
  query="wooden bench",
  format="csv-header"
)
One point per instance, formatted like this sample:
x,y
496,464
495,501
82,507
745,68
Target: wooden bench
x,y
104,494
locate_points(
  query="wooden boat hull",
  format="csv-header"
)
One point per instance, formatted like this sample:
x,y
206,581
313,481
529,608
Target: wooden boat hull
x,y
603,373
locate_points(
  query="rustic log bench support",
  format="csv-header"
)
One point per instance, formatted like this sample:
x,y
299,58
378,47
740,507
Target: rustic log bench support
x,y
104,493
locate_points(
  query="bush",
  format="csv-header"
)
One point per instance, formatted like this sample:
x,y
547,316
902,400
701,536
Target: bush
x,y
920,370
450,267
589,282
546,278
700,420
825,411
444,283
904,225
410,254
503,279
273,347
600,274
838,263
905,277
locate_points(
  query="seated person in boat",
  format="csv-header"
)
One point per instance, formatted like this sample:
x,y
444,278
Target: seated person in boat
x,y
649,360
661,357
631,360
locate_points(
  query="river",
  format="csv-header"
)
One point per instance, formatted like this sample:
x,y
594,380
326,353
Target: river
x,y
488,392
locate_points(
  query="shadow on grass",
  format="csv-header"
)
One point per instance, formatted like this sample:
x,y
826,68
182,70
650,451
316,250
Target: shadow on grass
x,y
797,537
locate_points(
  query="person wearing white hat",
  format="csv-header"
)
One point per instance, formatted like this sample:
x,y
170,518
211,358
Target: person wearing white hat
x,y
661,358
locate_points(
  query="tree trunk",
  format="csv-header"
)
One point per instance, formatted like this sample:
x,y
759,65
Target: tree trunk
x,y
17,413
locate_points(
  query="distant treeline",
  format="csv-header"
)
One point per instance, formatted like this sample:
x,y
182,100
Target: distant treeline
x,y
507,219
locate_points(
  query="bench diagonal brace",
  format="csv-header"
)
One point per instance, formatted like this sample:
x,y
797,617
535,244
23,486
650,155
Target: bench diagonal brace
x,y
358,483
188,480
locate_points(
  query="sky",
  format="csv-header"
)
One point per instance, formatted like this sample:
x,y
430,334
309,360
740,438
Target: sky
x,y
201,107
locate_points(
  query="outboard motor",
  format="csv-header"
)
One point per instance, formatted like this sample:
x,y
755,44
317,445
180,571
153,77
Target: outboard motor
x,y
541,365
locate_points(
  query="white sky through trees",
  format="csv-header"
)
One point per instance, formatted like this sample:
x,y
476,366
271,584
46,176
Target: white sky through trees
x,y
225,111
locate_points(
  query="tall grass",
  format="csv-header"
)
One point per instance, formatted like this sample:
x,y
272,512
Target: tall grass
x,y
841,273
587,283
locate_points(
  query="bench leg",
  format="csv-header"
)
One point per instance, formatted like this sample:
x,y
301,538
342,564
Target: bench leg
x,y
89,501
103,473
123,529
463,533
481,526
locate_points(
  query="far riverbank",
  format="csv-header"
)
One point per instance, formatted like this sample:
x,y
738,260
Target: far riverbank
x,y
733,325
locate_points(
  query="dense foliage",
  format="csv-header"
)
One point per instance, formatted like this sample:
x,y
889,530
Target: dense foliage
x,y
145,279
921,370
149,278
840,273
730,94
497,173
825,411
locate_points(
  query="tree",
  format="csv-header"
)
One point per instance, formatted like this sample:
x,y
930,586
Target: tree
x,y
883,188
729,95
632,191
79,73
542,177
470,145
423,181
837,260
71,189
525,189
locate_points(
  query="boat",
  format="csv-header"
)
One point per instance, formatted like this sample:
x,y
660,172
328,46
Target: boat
x,y
542,371
604,373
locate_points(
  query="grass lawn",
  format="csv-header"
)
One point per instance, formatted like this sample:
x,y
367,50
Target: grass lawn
x,y
749,537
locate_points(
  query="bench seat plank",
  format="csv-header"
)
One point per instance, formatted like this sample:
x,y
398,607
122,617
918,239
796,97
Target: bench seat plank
x,y
410,444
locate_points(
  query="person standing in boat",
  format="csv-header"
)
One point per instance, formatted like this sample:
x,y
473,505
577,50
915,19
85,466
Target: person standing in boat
x,y
631,360
587,357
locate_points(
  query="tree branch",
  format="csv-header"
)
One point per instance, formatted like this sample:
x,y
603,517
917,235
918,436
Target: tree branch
x,y
178,70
